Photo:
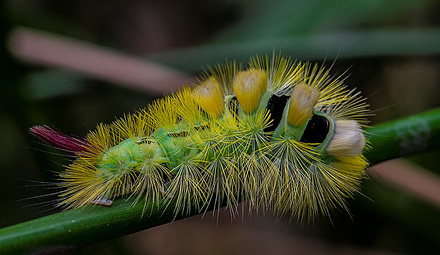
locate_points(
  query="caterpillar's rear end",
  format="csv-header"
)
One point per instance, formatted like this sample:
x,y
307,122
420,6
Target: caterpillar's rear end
x,y
285,136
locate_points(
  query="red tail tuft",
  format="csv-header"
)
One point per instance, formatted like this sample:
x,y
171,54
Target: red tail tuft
x,y
59,140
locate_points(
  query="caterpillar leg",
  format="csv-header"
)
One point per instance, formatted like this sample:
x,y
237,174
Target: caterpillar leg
x,y
104,202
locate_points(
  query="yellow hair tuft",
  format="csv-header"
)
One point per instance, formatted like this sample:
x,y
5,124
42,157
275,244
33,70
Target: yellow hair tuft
x,y
208,95
302,103
249,86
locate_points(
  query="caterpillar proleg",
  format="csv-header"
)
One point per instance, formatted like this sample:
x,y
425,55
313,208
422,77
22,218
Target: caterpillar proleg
x,y
283,135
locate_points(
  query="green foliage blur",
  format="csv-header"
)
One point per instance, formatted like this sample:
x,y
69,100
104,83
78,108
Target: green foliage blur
x,y
391,49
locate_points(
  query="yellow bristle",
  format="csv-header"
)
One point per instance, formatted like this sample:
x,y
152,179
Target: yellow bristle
x,y
348,139
302,103
208,95
249,86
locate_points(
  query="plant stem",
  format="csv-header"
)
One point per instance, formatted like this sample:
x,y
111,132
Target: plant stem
x,y
405,136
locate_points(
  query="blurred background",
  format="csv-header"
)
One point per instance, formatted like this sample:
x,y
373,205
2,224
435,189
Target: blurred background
x,y
73,64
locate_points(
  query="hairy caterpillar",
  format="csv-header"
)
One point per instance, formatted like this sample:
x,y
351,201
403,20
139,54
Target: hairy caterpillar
x,y
283,135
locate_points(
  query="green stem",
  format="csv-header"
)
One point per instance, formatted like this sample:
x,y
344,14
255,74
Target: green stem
x,y
405,136
85,226
81,227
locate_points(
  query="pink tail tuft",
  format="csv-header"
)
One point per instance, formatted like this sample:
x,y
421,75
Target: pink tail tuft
x,y
59,140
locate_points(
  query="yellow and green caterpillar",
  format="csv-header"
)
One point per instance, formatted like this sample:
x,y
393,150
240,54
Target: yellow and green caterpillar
x,y
283,135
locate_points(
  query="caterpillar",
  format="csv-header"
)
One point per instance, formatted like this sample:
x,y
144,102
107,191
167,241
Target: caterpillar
x,y
283,135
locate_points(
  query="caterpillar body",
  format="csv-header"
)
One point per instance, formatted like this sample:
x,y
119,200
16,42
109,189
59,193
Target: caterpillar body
x,y
283,135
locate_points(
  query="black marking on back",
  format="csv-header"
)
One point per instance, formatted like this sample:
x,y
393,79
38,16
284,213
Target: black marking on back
x,y
200,128
275,106
179,134
179,118
317,130
145,140
233,105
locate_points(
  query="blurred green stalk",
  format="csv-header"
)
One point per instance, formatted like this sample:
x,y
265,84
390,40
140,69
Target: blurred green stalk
x,y
80,227
405,136
337,45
